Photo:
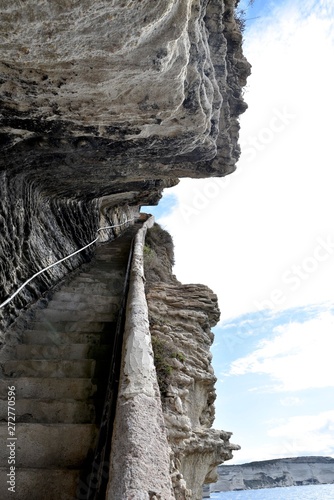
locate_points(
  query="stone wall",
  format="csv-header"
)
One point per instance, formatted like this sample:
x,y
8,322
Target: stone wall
x,y
163,443
140,452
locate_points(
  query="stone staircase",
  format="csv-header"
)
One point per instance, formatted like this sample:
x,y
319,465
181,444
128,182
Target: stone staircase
x,y
59,367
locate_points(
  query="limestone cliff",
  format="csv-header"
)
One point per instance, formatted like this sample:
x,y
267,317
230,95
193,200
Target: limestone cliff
x,y
180,320
272,473
103,104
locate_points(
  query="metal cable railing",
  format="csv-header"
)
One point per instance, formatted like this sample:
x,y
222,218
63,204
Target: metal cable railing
x,y
59,261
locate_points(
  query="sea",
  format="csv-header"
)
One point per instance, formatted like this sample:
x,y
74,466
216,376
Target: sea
x,y
312,492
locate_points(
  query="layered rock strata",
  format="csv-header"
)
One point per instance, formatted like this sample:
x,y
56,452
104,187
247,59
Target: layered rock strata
x,y
126,90
298,471
103,105
180,320
36,231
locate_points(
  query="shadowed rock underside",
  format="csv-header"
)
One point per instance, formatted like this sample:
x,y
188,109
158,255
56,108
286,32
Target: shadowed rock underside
x,y
103,105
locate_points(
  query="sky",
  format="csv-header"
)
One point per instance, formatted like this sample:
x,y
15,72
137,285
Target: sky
x,y
263,239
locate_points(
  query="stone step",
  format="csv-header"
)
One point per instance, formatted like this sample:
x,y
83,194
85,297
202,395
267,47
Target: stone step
x,y
48,445
50,411
93,289
73,306
100,279
107,249
94,300
101,270
59,338
86,279
99,273
43,388
54,373
69,326
31,484
110,268
105,272
73,316
45,368
62,352
109,259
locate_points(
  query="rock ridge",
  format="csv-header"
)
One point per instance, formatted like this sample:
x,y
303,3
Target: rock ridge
x,y
297,471
181,317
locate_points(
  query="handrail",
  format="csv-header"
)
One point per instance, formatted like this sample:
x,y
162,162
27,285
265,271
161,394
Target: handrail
x,y
59,261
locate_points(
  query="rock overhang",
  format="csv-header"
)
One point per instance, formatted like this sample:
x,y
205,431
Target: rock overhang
x,y
103,105
99,96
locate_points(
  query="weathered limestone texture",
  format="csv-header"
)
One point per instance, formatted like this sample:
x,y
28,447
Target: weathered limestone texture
x,y
140,454
180,320
36,231
124,89
103,105
275,473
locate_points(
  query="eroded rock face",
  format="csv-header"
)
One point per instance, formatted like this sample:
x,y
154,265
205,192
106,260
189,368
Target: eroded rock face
x,y
103,105
180,320
115,92
36,231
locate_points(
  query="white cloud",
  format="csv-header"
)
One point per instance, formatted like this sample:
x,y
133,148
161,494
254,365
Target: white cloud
x,y
306,434
297,436
298,357
243,234
259,452
300,425
290,401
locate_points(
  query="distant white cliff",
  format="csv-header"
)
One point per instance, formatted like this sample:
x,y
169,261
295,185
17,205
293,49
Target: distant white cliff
x,y
273,473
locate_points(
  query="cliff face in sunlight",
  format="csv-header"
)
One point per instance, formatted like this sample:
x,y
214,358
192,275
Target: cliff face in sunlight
x,y
106,94
181,317
275,473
